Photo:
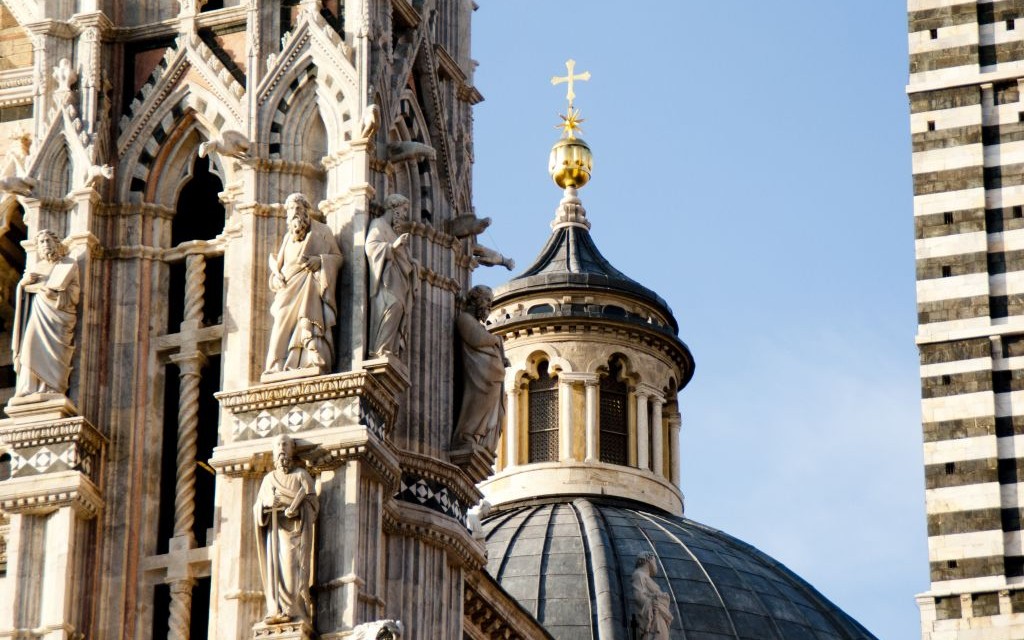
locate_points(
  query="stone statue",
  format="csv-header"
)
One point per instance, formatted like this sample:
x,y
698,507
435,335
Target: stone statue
x,y
285,512
379,630
45,314
653,607
393,278
475,518
483,373
303,276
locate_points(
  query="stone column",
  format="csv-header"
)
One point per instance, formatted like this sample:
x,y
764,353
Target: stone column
x,y
657,429
512,427
674,424
190,365
593,433
643,460
565,425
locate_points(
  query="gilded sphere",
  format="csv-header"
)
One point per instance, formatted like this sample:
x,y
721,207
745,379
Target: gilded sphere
x,y
570,163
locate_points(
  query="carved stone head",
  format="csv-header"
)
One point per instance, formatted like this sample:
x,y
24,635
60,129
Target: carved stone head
x,y
300,212
284,450
649,561
49,246
478,301
397,206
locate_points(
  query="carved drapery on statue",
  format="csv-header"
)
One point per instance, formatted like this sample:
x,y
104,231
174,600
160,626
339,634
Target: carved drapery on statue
x,y
393,278
44,325
653,607
303,275
483,374
285,514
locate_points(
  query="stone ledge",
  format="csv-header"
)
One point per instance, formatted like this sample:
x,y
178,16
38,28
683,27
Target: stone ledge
x,y
319,450
546,479
43,494
46,446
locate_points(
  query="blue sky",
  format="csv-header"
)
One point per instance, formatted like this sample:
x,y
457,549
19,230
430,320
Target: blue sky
x,y
752,166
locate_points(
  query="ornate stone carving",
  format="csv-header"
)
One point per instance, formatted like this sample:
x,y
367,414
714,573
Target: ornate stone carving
x,y
44,324
393,278
483,373
379,630
285,513
475,517
303,275
653,607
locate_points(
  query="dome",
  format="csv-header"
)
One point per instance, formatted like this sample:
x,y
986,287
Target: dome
x,y
570,562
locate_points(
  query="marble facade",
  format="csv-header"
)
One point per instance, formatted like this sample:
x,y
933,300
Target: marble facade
x,y
160,141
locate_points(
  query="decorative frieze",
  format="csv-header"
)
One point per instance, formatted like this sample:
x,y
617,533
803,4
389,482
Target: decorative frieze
x,y
432,495
309,404
71,444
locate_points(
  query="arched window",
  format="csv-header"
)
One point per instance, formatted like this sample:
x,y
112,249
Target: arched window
x,y
614,416
543,416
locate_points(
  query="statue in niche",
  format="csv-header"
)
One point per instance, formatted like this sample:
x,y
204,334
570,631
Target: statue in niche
x,y
45,314
483,373
303,275
285,512
654,609
393,278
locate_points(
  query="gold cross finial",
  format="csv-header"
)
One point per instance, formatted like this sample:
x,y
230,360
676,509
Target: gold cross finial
x,y
570,66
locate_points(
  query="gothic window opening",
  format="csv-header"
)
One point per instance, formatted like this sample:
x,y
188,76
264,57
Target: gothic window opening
x,y
209,413
289,16
614,416
543,416
199,214
168,464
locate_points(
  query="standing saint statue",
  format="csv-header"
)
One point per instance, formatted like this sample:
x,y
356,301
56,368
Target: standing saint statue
x,y
483,374
303,275
285,511
393,278
45,314
654,613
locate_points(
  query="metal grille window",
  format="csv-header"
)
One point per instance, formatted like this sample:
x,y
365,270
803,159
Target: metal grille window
x,y
543,416
614,415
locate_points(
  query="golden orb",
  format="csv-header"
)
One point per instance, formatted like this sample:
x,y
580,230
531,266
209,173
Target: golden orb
x,y
570,162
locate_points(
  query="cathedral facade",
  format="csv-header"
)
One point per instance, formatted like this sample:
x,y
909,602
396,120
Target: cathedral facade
x,y
250,389
966,118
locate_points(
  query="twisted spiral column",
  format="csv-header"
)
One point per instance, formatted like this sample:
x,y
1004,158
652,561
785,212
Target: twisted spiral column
x,y
190,365
195,287
180,618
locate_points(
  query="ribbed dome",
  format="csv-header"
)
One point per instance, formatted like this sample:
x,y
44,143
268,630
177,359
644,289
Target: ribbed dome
x,y
570,259
569,563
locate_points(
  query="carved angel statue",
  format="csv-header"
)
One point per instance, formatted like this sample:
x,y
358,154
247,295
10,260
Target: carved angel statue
x,y
483,373
653,606
393,278
45,315
285,511
303,275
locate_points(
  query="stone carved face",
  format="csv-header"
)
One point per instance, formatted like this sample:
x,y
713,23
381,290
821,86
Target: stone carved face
x,y
483,305
298,220
283,450
48,246
397,206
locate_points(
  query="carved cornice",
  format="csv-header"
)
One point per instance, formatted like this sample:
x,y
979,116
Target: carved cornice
x,y
489,613
320,451
318,388
420,523
406,13
447,66
53,446
39,495
448,475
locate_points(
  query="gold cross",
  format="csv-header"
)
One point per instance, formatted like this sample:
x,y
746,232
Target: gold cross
x,y
570,65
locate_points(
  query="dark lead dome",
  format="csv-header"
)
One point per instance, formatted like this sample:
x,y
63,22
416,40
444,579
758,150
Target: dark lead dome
x,y
570,563
570,259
